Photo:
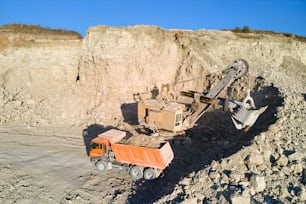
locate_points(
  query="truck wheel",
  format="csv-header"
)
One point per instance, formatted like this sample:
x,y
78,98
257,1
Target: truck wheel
x,y
101,165
136,172
149,174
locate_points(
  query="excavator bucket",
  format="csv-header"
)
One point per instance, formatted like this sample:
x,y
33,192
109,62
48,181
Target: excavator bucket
x,y
245,118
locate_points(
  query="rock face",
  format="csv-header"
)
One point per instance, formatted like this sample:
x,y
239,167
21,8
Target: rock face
x,y
37,78
85,82
48,81
119,62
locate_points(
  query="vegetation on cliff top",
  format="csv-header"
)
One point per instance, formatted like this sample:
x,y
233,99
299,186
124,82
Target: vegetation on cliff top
x,y
246,29
36,29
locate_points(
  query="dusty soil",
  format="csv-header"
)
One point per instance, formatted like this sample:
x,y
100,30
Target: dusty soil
x,y
49,165
54,90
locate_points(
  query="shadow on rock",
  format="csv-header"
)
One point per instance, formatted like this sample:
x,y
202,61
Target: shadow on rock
x,y
214,138
92,132
129,113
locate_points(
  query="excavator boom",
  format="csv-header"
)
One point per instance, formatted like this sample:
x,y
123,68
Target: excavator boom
x,y
244,113
235,71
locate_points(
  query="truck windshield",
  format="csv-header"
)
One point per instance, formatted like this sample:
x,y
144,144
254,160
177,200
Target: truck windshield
x,y
94,145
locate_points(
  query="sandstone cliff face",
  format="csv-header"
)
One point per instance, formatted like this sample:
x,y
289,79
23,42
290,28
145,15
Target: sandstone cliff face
x,y
37,77
87,82
54,83
118,62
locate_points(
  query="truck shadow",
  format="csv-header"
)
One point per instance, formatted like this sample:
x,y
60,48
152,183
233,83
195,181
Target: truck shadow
x,y
214,138
91,132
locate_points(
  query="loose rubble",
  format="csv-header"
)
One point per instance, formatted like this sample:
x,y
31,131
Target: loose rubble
x,y
48,86
271,170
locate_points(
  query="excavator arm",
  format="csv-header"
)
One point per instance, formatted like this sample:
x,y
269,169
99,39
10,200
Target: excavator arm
x,y
244,114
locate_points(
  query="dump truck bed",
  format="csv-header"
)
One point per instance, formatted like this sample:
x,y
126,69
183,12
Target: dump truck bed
x,y
141,140
144,156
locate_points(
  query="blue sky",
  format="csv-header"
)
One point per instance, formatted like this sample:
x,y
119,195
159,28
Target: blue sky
x,y
276,15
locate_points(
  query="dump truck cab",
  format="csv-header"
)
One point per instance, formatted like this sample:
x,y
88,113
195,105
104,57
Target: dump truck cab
x,y
101,145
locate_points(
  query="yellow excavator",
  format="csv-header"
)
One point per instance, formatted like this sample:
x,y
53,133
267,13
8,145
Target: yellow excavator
x,y
159,113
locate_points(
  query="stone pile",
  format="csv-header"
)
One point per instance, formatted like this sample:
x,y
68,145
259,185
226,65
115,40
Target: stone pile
x,y
21,108
271,170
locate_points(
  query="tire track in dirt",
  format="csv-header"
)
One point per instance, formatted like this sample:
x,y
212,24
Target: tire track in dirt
x,y
51,169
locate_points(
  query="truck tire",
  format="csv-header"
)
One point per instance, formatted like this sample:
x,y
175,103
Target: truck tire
x,y
136,172
150,174
101,165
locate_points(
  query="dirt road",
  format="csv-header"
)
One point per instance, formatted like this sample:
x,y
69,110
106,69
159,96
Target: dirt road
x,y
52,168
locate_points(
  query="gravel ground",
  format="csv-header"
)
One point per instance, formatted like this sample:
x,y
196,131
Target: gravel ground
x,y
52,91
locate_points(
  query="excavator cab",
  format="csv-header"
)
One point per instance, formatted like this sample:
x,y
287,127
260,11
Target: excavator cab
x,y
159,114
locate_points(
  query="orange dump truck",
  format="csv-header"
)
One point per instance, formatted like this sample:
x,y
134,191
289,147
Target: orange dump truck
x,y
108,152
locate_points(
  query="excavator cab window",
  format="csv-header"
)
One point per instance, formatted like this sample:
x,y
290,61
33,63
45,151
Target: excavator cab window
x,y
147,115
94,145
178,120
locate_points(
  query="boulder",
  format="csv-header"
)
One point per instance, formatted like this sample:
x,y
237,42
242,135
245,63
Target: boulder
x,y
235,177
297,156
282,161
302,194
258,183
254,159
214,175
296,168
240,199
284,192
